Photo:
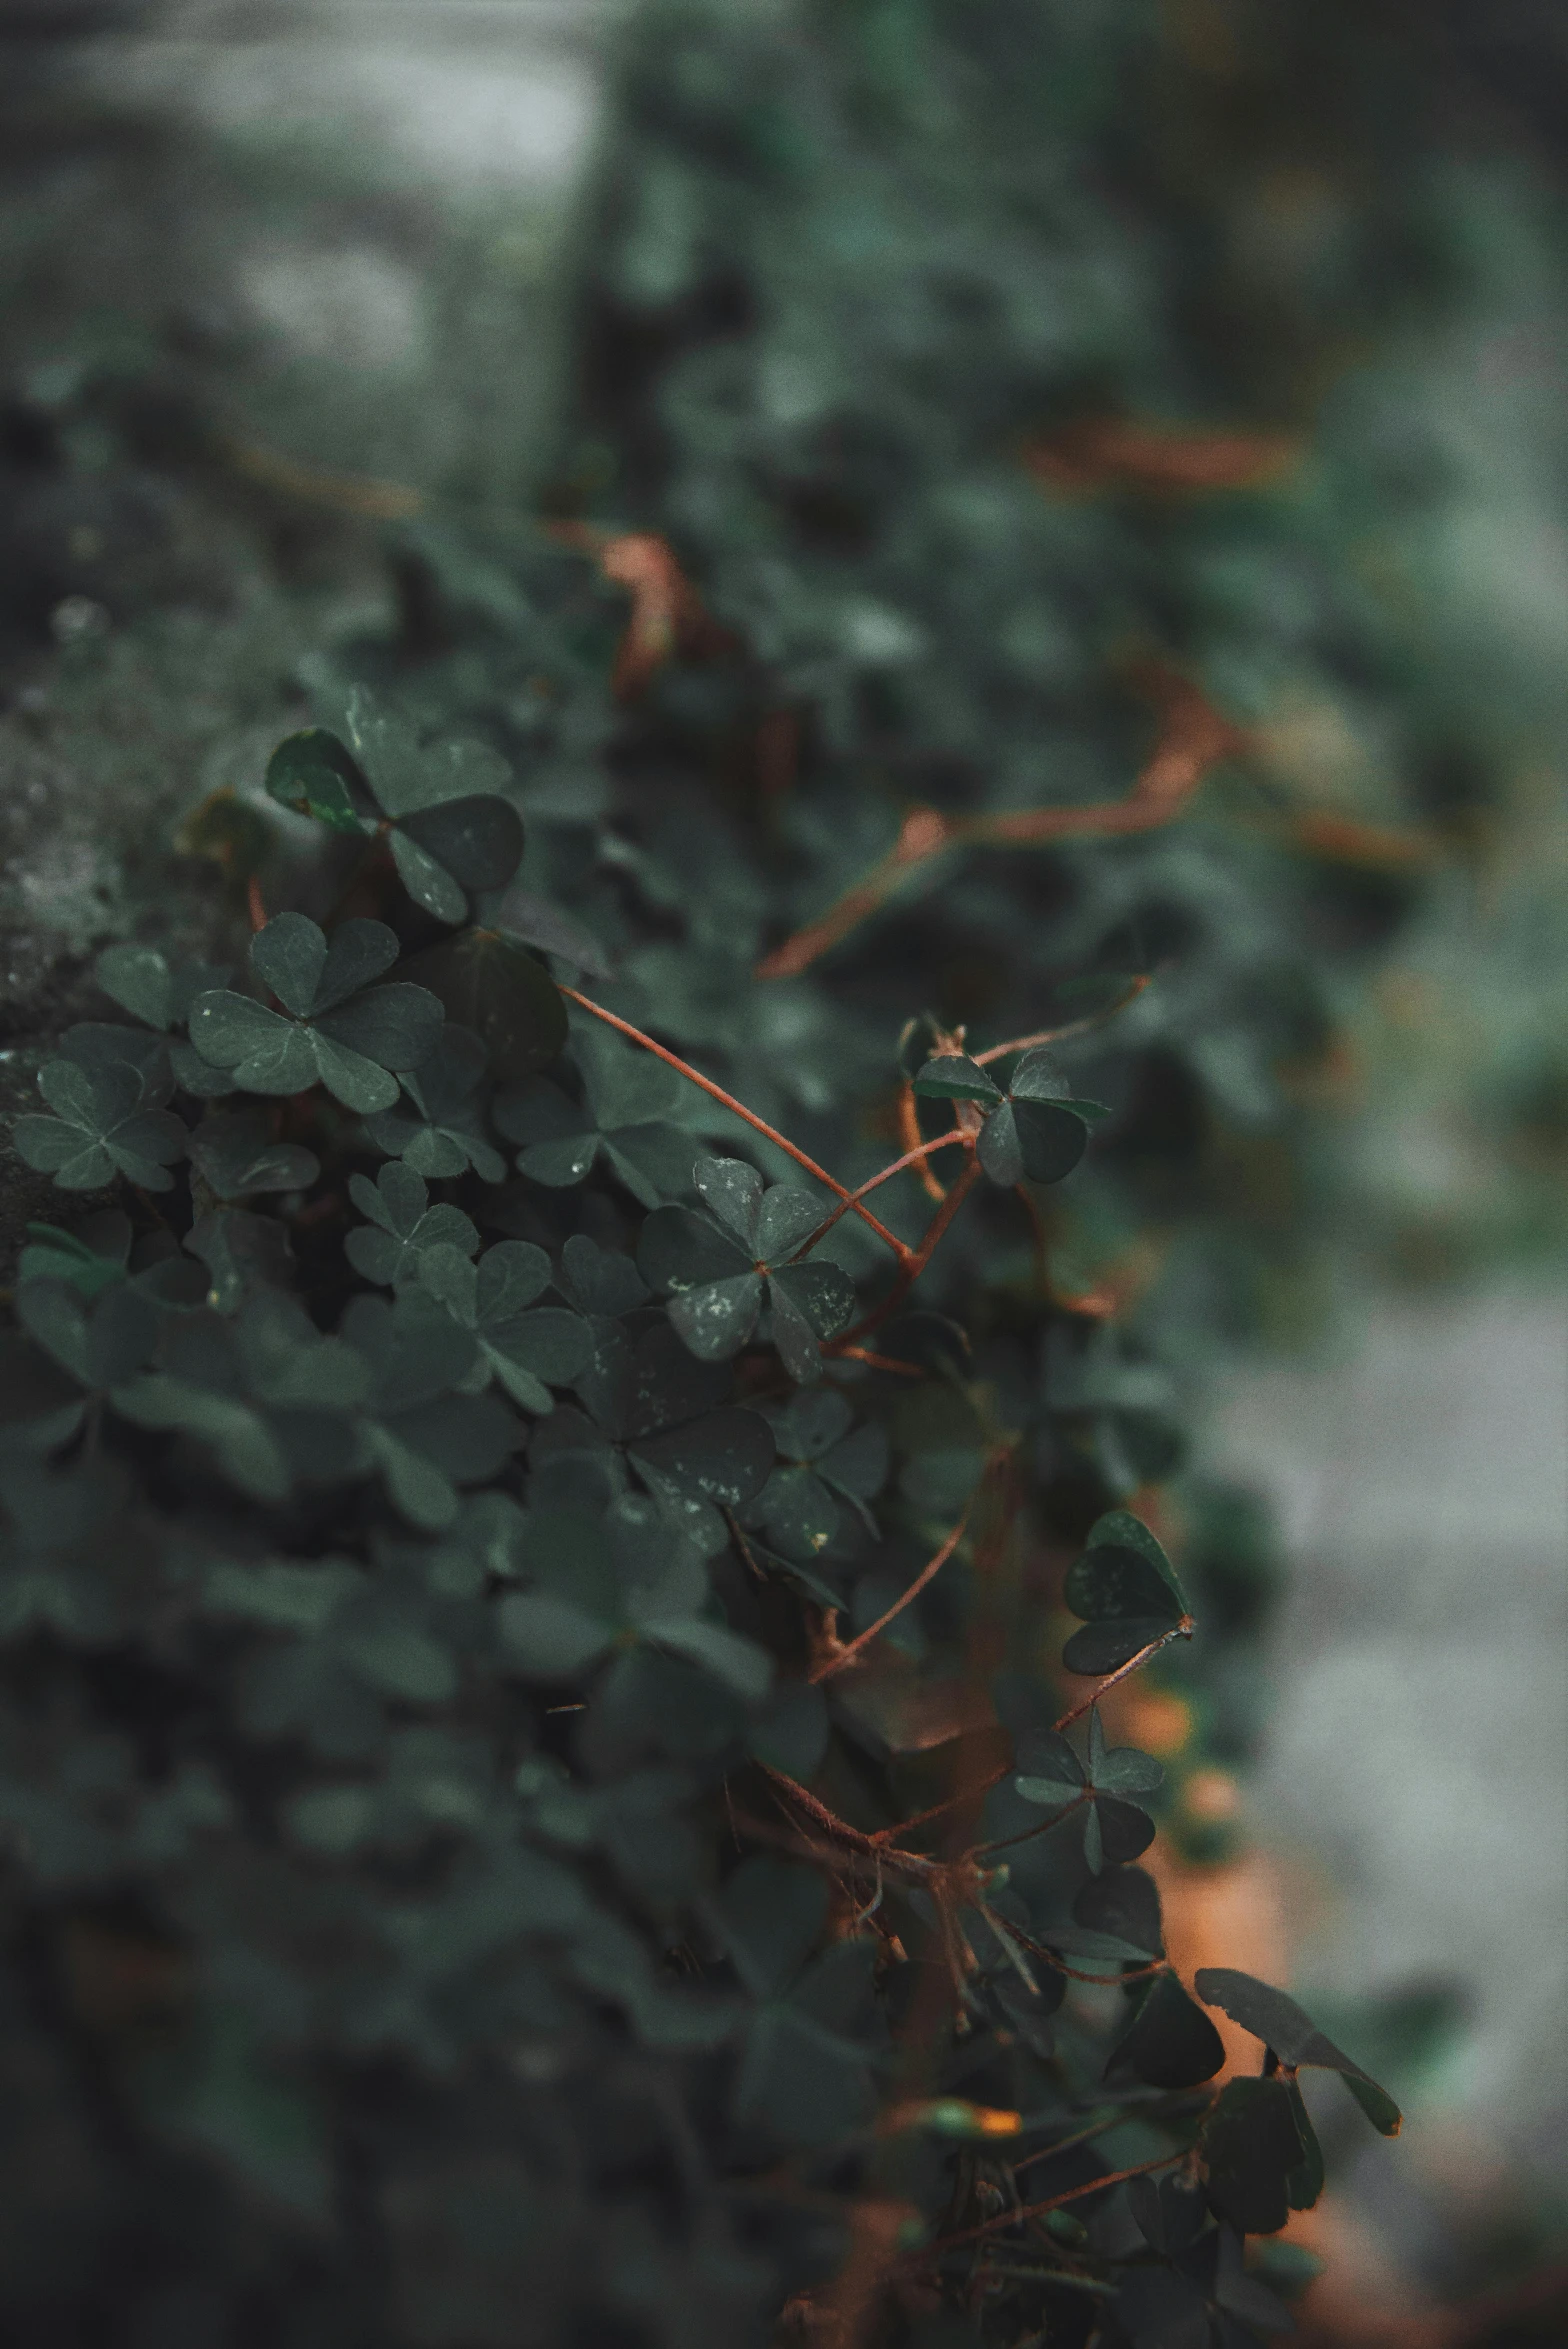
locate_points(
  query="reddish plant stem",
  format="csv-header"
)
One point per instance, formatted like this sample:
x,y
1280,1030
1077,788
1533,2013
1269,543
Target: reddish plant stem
x,y
1182,1630
1083,1027
970,1794
910,1158
900,1248
913,1263
928,1573
1070,2144
854,1838
879,1361
1193,738
983,1851
909,1134
1029,2210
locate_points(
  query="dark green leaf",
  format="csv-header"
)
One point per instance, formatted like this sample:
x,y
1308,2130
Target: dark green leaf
x,y
952,1077
494,987
1051,1140
236,1155
1294,2037
289,956
1250,2148
680,1250
723,1458
999,1150
732,1191
717,1318
478,841
313,773
538,923
1172,2043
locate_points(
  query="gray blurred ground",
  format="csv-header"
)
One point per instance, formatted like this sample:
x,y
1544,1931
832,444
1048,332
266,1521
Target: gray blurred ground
x,y
1417,1760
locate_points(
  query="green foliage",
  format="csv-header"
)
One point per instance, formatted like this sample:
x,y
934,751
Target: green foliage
x,y
539,1622
336,1027
108,1120
610,1445
450,829
1032,1127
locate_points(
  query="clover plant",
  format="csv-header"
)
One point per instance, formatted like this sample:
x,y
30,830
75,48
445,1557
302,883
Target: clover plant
x,y
592,1623
607,1632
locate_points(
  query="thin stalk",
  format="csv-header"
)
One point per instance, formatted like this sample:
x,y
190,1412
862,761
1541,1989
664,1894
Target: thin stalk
x,y
900,1248
1182,1630
927,1574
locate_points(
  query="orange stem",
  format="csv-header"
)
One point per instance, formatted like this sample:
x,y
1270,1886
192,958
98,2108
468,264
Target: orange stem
x,y
1182,1630
927,1574
910,1158
909,1135
880,1361
900,1248
1194,738
1013,2218
1083,1027
914,1262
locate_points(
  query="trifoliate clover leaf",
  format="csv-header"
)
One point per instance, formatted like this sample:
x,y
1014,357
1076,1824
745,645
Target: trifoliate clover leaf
x,y
100,1254
503,994
600,1280
717,1269
826,1465
337,1026
668,1413
805,2073
438,1129
1285,2027
107,1121
402,1226
449,829
597,1585
415,1430
526,1352
264,1393
237,1155
1099,1785
1125,1589
151,988
1033,1129
624,1120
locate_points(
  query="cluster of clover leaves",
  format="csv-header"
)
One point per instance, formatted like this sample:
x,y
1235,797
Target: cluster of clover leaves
x,y
524,1585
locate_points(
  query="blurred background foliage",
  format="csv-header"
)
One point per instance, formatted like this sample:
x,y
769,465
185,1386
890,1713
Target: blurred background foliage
x,y
986,364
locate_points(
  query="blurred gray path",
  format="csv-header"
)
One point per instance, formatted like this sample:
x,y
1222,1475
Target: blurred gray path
x,y
1417,1758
